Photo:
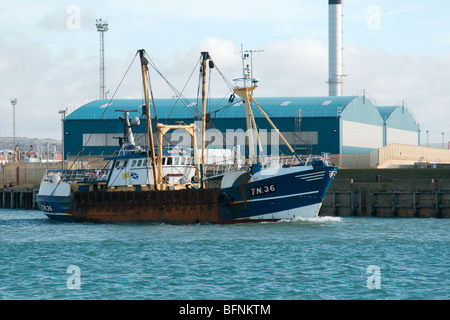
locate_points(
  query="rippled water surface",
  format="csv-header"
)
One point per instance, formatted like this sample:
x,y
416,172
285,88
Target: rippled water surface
x,y
322,258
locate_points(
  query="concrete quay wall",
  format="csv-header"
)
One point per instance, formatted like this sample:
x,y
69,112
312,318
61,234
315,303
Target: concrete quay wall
x,y
19,198
419,193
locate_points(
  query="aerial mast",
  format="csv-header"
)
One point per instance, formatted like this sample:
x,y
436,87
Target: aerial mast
x,y
244,92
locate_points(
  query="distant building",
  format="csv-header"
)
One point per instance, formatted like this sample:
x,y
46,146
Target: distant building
x,y
335,125
400,125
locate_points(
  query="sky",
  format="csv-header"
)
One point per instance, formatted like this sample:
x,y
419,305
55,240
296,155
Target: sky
x,y
396,51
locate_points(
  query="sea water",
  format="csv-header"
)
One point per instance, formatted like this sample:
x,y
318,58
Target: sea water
x,y
325,258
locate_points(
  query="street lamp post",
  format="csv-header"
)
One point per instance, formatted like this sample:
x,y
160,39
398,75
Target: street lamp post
x,y
13,103
63,119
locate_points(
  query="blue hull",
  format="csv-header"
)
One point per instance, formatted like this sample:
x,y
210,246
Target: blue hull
x,y
291,195
56,207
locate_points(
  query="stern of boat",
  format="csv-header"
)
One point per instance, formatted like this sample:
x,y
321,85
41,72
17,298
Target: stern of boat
x,y
55,197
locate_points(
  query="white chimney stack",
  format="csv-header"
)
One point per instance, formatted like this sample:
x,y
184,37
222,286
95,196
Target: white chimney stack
x,y
335,47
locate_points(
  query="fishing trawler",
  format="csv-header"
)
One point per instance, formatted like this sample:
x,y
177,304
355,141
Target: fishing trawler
x,y
171,185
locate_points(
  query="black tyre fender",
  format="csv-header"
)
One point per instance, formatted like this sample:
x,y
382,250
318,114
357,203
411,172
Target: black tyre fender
x,y
223,199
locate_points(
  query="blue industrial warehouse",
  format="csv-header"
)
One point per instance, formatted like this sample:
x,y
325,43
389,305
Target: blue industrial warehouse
x,y
312,125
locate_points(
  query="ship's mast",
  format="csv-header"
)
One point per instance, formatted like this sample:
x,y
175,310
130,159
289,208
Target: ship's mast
x,y
244,91
205,57
144,63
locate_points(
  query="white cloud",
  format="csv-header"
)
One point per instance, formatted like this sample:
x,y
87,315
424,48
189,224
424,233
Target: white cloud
x,y
42,83
297,67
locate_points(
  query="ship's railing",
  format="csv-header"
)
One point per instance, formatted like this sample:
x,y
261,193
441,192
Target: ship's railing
x,y
294,160
279,161
218,169
79,175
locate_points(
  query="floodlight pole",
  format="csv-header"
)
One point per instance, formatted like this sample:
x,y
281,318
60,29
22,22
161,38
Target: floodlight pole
x,y
102,27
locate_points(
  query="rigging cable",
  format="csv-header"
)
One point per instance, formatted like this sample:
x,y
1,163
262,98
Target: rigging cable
x,y
97,123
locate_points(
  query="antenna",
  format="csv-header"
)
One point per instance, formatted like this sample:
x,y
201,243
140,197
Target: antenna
x,y
247,70
251,60
102,27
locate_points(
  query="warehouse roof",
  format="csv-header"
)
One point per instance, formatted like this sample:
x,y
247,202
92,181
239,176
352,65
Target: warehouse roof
x,y
399,117
222,108
386,112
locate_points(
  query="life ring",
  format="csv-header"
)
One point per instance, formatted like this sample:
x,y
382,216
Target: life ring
x,y
223,199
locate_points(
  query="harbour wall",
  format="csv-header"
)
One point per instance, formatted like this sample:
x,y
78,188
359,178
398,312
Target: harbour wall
x,y
19,198
421,193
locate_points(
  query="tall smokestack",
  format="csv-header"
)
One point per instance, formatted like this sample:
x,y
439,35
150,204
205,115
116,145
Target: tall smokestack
x,y
335,47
